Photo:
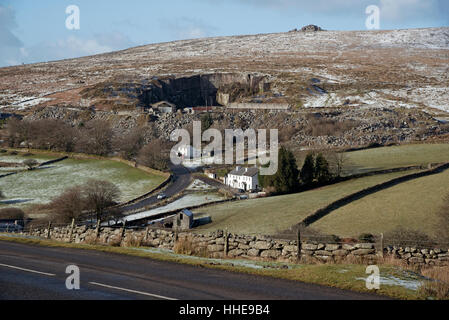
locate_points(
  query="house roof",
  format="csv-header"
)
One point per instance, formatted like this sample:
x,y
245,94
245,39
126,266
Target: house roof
x,y
162,104
5,115
246,172
187,212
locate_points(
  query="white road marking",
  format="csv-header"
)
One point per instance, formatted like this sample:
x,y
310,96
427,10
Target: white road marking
x,y
27,270
93,283
133,291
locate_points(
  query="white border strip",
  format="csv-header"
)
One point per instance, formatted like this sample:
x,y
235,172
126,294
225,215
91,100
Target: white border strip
x,y
133,291
27,270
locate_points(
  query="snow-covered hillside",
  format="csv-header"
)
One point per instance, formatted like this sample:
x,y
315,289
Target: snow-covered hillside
x,y
400,66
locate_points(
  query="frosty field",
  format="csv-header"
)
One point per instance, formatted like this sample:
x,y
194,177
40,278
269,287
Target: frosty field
x,y
17,160
41,185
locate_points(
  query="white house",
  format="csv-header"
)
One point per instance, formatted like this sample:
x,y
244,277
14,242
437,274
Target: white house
x,y
243,178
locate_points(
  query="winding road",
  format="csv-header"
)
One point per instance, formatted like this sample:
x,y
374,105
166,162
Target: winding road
x,y
182,178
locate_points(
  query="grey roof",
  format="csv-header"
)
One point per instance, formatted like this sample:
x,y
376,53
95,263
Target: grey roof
x,y
162,103
5,115
247,172
187,212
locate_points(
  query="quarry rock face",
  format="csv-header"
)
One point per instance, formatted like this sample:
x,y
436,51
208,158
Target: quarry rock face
x,y
182,91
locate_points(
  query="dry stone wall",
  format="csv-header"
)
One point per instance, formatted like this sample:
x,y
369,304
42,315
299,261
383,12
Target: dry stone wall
x,y
219,245
259,106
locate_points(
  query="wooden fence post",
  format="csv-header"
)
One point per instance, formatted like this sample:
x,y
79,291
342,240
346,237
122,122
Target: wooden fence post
x,y
147,231
97,229
71,230
49,230
382,245
123,232
226,243
299,246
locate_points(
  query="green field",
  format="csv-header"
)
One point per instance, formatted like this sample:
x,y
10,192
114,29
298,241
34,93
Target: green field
x,y
395,157
275,214
42,184
413,204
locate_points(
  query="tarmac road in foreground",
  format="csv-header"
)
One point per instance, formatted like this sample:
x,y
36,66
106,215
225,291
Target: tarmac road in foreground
x,y
30,272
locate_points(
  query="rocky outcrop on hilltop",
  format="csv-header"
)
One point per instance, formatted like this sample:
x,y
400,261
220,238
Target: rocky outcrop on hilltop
x,y
311,27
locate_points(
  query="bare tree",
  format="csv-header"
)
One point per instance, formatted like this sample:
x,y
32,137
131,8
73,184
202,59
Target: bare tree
x,y
12,214
18,131
30,163
69,205
155,155
100,195
338,161
53,134
95,138
130,144
115,215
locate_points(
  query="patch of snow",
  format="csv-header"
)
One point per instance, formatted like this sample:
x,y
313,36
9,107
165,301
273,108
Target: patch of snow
x,y
233,262
187,201
199,185
411,284
31,102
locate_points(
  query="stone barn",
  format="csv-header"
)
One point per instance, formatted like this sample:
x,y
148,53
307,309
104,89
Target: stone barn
x,y
183,220
164,107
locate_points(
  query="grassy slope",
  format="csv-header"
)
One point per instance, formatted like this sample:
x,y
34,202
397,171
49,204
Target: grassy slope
x,y
413,204
275,214
397,156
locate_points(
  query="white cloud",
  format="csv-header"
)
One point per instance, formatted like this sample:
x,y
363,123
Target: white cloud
x,y
394,11
73,46
324,6
188,28
14,52
10,45
401,10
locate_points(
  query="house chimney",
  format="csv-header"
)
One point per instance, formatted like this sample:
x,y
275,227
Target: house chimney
x,y
237,168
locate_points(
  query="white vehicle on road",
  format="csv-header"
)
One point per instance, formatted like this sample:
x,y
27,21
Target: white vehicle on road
x,y
161,196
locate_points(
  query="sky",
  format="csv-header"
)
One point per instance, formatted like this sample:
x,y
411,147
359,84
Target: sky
x,y
36,31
